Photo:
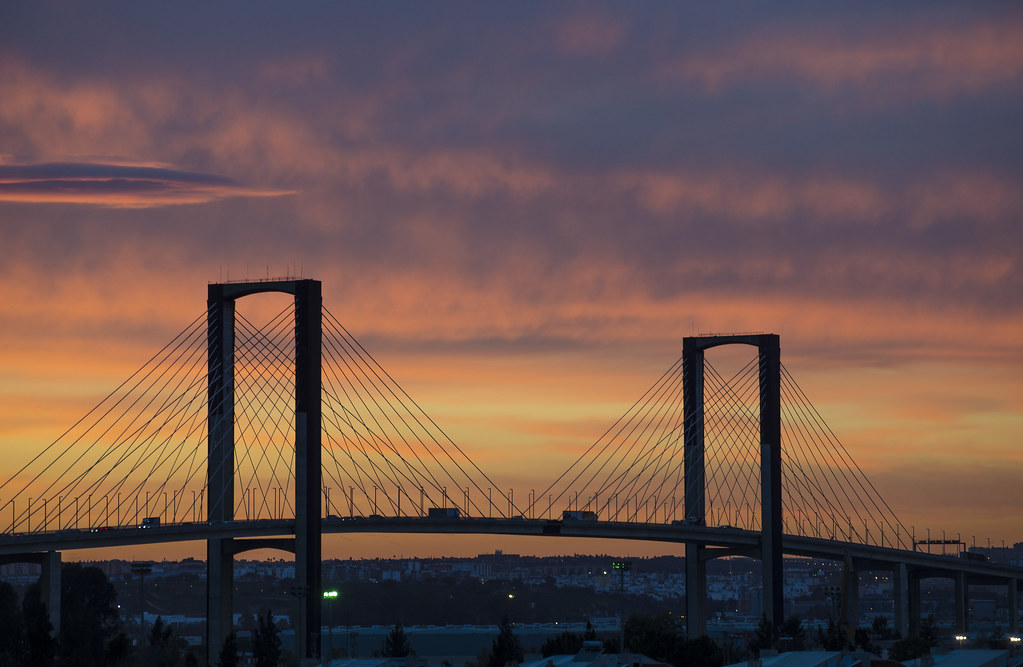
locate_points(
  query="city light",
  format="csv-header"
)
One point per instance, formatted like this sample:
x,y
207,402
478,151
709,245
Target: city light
x,y
330,594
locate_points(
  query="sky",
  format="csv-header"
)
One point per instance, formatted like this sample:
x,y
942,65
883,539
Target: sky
x,y
522,208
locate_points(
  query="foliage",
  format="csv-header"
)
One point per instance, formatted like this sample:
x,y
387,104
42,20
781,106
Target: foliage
x,y
661,637
119,650
862,639
833,639
88,616
266,642
396,644
567,643
39,643
12,639
881,629
764,636
793,634
653,636
909,649
700,652
507,647
164,650
929,630
229,651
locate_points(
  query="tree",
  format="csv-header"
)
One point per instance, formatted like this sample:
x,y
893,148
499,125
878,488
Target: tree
x,y
764,636
118,650
793,633
229,651
862,639
396,644
833,639
699,652
88,615
653,636
164,649
266,642
929,630
40,645
567,643
909,648
507,647
881,629
12,620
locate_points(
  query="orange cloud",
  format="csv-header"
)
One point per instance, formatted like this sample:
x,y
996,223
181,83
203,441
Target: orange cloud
x,y
895,64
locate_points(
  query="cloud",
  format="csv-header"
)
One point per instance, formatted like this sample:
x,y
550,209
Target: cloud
x,y
117,185
915,60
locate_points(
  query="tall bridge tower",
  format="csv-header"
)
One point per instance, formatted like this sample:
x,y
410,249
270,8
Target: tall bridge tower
x,y
769,351
221,461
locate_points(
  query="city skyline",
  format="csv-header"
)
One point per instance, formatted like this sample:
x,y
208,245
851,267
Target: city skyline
x,y
522,210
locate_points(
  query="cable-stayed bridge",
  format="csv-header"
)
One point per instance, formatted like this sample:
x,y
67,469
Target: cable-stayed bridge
x,y
267,434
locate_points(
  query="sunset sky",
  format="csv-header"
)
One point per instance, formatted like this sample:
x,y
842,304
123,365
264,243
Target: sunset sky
x,y
522,208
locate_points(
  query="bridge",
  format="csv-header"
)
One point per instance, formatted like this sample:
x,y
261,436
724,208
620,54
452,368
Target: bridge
x,y
253,436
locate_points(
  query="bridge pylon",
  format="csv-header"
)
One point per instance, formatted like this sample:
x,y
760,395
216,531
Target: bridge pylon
x,y
221,461
693,354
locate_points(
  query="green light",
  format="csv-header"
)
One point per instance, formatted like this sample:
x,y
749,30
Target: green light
x,y
330,594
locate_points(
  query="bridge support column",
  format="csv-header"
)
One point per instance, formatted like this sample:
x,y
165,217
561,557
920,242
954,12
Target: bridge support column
x,y
851,612
1013,600
49,587
219,595
696,590
220,309
693,445
962,595
220,403
914,604
308,343
900,594
770,477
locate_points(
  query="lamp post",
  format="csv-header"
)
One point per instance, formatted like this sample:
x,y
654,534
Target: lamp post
x,y
142,568
330,596
1013,643
621,566
961,639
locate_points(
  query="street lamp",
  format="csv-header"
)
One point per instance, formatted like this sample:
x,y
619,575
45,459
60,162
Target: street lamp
x,y
621,566
1013,643
961,639
142,568
329,596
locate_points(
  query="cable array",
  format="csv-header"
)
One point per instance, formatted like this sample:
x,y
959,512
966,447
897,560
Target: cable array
x,y
139,453
143,451
635,471
383,455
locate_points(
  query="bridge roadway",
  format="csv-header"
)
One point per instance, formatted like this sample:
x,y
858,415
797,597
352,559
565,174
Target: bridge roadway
x,y
908,567
723,541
